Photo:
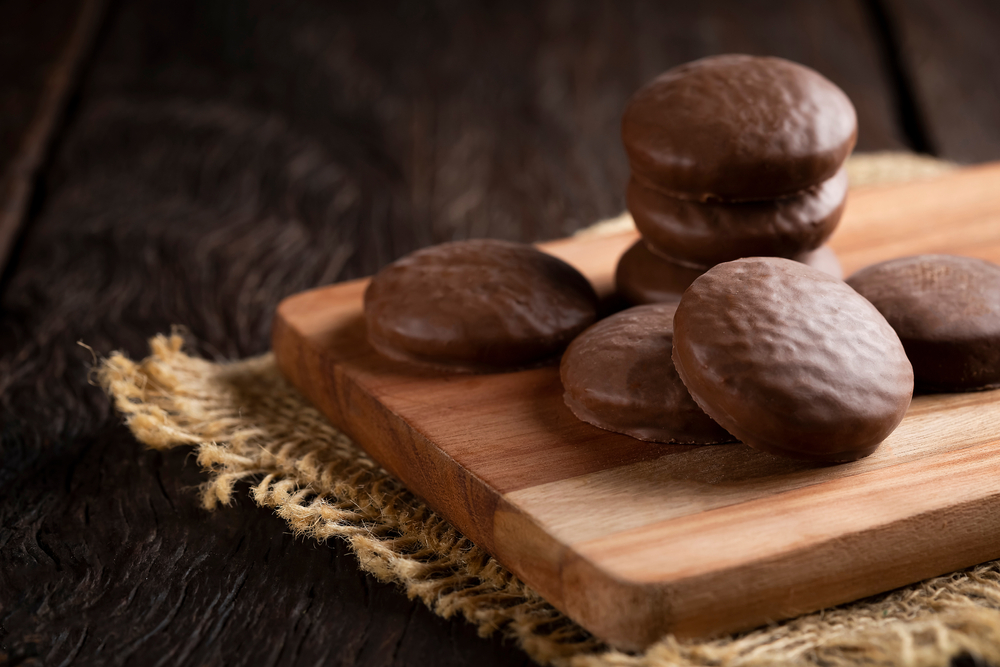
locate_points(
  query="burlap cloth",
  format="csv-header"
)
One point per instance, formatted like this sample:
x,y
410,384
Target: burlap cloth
x,y
247,423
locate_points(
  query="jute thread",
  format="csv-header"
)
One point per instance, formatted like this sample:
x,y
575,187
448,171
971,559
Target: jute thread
x,y
247,423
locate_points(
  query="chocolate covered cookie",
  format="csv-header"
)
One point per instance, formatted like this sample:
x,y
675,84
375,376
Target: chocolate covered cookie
x,y
619,375
946,310
642,276
790,360
703,234
736,128
479,305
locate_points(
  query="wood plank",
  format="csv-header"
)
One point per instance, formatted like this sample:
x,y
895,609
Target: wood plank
x,y
951,54
706,544
42,86
783,556
633,540
708,478
505,120
33,33
870,232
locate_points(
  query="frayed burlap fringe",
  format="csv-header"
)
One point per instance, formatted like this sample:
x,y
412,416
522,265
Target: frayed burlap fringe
x,y
247,423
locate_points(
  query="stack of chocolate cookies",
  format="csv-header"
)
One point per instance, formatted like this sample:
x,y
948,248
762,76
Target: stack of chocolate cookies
x,y
737,169
732,156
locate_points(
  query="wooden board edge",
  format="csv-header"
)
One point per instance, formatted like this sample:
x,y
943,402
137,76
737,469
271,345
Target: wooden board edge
x,y
846,566
585,591
482,514
633,615
752,600
575,584
414,460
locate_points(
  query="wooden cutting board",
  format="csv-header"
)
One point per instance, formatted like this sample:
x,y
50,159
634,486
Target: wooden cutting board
x,y
634,540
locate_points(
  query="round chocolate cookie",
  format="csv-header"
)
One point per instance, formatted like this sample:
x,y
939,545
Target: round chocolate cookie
x,y
643,276
705,234
738,128
946,310
790,360
479,305
619,375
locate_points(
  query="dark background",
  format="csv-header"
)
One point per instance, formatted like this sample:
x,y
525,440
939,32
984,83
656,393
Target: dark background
x,y
219,155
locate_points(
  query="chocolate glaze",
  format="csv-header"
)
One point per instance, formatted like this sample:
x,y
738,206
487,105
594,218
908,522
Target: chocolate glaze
x,y
618,375
705,234
478,305
643,276
736,127
790,360
946,310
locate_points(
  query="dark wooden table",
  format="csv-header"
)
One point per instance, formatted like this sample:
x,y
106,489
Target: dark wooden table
x,y
218,155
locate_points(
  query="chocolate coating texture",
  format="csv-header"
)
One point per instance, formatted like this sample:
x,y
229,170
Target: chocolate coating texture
x,y
619,375
946,310
737,127
790,360
701,235
642,276
477,305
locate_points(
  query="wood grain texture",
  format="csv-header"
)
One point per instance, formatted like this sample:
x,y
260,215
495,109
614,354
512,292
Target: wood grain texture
x,y
634,539
33,34
952,58
921,217
33,110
